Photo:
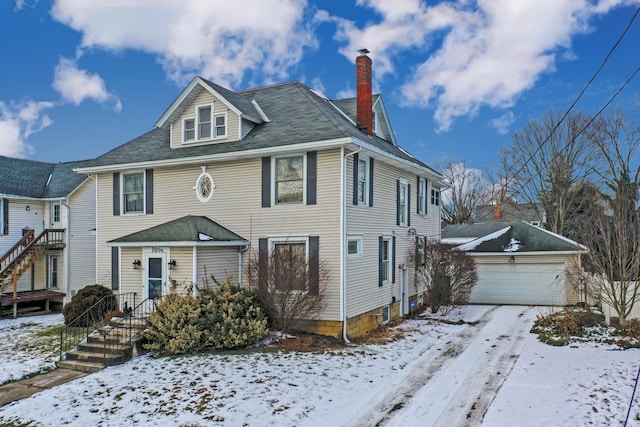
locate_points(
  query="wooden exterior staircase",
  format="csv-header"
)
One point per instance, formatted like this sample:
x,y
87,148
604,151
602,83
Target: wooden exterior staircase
x,y
21,257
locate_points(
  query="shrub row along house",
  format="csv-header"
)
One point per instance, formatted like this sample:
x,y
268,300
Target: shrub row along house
x,y
47,231
226,175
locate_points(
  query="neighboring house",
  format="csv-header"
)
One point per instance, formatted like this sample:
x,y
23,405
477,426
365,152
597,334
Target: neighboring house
x,y
518,263
226,175
47,231
509,212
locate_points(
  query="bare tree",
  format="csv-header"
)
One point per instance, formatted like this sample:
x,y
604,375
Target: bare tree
x,y
468,190
614,235
449,274
290,288
547,159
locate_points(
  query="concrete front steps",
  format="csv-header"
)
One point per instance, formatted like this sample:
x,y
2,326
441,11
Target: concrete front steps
x,y
107,346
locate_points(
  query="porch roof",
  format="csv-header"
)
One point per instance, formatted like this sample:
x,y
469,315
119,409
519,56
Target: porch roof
x,y
186,231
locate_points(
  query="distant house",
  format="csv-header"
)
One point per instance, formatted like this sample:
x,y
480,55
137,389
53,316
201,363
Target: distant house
x,y
508,212
518,263
47,231
225,175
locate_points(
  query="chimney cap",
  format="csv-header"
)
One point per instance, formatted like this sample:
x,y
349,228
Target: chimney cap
x,y
363,51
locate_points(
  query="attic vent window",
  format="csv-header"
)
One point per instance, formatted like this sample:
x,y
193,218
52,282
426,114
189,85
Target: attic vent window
x,y
204,186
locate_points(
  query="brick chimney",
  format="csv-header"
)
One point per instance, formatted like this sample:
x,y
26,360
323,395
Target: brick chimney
x,y
364,102
497,211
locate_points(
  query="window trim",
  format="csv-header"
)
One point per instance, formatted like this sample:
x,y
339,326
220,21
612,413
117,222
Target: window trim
x,y
184,129
358,240
387,240
403,210
365,179
199,180
52,208
421,196
274,182
123,205
435,197
273,241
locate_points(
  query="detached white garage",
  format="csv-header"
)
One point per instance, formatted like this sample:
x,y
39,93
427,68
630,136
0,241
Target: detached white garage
x,y
523,264
521,284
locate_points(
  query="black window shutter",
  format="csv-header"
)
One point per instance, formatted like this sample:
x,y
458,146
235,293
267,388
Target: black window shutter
x,y
370,182
355,178
398,202
115,268
418,195
148,199
380,255
266,182
408,204
393,261
5,216
263,262
312,173
314,265
116,193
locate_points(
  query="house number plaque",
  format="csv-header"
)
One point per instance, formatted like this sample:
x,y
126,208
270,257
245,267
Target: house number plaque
x,y
157,250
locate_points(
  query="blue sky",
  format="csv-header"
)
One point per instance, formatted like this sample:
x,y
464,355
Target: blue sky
x,y
457,77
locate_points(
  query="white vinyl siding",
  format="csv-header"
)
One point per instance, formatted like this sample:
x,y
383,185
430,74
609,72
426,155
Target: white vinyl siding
x,y
82,234
216,262
236,205
363,293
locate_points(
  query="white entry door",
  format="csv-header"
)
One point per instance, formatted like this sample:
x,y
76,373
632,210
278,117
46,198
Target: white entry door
x,y
155,276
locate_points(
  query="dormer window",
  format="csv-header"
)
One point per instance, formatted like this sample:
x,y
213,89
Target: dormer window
x,y
204,122
206,125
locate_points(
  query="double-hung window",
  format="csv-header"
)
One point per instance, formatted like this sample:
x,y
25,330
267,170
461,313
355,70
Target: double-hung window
x,y
55,212
289,179
133,193
403,203
290,265
422,195
363,181
385,260
220,123
435,197
189,126
204,122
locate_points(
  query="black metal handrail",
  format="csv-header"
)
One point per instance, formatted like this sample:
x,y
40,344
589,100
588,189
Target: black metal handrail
x,y
77,331
121,331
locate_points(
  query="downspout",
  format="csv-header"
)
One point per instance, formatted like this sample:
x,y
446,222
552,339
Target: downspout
x,y
343,232
67,240
240,252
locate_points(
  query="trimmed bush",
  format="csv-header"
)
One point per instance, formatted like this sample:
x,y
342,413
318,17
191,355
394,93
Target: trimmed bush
x,y
84,300
557,328
222,317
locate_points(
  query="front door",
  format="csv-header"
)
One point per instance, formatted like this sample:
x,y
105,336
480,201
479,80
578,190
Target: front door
x,y
156,276
53,269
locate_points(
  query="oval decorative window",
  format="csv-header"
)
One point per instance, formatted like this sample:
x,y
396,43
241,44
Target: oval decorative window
x,y
204,187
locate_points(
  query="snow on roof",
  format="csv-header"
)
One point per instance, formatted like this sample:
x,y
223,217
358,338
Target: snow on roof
x,y
202,236
474,243
513,246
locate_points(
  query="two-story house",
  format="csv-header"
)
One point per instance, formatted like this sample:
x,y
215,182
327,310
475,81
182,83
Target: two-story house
x,y
47,231
226,174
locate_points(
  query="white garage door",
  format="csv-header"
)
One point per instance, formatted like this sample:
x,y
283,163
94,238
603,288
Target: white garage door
x,y
523,284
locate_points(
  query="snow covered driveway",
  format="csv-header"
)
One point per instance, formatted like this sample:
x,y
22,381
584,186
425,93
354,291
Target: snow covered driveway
x,y
456,384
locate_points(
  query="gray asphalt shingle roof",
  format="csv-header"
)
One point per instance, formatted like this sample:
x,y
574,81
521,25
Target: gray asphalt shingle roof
x,y
522,237
186,229
296,114
28,178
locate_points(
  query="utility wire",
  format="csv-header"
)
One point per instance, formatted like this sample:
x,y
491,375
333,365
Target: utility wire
x,y
606,59
632,395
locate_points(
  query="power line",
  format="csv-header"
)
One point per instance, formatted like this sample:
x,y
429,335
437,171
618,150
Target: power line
x,y
606,59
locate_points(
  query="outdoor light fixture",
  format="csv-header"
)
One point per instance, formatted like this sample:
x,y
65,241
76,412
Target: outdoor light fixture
x,y
136,264
28,208
512,259
172,264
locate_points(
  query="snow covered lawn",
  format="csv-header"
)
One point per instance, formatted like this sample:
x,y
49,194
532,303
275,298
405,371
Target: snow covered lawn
x,y
438,374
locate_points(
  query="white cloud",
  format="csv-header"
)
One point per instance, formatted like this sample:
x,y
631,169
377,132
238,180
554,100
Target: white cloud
x,y
18,121
76,85
489,51
502,123
222,41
